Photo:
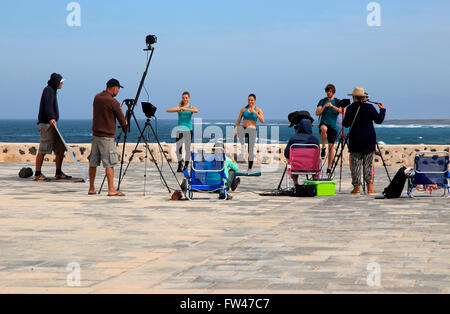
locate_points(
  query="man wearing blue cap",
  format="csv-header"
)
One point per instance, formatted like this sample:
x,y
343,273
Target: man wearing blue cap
x,y
103,148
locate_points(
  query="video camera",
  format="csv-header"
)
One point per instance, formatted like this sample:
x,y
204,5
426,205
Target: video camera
x,y
343,103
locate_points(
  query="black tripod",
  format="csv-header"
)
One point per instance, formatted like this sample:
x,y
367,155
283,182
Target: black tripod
x,y
149,111
343,141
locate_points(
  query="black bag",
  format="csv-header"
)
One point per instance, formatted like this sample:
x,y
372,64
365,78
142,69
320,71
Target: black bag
x,y
395,188
25,173
304,190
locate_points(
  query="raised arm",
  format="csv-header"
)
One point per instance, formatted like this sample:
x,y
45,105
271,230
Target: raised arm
x,y
378,118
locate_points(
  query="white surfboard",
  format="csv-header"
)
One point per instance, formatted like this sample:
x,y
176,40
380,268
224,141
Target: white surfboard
x,y
83,175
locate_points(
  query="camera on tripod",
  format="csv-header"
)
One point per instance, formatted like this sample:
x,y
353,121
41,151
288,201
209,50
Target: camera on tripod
x,y
149,109
150,40
344,103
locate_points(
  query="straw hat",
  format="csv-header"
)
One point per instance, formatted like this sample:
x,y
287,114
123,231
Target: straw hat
x,y
359,92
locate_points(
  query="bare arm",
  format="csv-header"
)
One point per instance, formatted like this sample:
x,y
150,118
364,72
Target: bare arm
x,y
174,109
260,115
192,109
238,122
241,113
319,110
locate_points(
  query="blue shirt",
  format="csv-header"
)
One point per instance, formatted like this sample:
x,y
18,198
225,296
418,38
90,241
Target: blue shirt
x,y
185,120
250,116
329,115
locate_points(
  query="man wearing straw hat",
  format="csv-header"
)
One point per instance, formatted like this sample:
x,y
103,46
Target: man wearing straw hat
x,y
362,138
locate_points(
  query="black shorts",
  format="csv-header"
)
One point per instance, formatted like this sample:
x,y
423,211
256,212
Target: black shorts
x,y
331,134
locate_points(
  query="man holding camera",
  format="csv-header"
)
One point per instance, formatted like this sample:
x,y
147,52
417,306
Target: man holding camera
x,y
50,140
362,138
328,111
103,148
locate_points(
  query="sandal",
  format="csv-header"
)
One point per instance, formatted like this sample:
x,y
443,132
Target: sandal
x,y
62,176
42,178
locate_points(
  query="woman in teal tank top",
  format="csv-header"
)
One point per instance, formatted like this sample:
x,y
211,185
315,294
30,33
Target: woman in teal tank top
x,y
184,129
250,115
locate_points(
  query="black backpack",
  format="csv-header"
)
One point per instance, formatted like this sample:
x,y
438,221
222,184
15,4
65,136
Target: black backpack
x,y
395,188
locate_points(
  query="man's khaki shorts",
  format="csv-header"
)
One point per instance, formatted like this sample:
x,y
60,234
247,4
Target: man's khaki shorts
x,y
103,149
50,141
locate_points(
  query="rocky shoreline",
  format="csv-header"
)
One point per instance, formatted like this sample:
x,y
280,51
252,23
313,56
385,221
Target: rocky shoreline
x,y
394,155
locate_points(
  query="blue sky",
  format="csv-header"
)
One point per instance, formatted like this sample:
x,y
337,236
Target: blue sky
x,y
283,51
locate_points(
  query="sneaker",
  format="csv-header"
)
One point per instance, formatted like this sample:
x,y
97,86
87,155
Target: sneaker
x,y
222,197
180,166
328,171
323,154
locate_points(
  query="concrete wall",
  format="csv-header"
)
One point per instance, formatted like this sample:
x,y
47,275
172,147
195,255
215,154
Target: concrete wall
x,y
394,155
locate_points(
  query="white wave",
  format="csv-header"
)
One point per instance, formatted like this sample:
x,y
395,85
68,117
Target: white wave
x,y
412,126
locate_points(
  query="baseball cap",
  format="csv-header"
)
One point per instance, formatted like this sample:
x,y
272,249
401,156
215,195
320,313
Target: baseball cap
x,y
112,83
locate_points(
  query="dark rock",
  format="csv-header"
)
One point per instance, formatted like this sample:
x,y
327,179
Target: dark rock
x,y
21,152
82,150
5,150
32,151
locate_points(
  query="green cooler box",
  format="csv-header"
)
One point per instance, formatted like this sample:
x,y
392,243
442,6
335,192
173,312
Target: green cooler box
x,y
324,188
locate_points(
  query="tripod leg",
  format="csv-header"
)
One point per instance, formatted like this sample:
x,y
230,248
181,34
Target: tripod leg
x,y
146,156
340,175
282,178
121,176
167,160
157,166
384,164
104,177
338,156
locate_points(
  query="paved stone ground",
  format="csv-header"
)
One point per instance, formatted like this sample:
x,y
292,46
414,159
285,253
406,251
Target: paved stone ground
x,y
250,244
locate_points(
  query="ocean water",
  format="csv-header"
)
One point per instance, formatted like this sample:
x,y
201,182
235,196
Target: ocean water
x,y
79,131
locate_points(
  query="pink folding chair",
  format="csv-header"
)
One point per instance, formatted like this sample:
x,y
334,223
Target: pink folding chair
x,y
304,159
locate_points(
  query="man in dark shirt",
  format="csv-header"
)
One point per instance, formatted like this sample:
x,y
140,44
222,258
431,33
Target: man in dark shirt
x,y
103,149
49,139
328,111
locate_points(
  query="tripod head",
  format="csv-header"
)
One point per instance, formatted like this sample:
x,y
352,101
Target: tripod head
x,y
129,103
130,107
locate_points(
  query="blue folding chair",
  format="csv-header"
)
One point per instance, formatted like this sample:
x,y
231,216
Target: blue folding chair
x,y
430,173
207,173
